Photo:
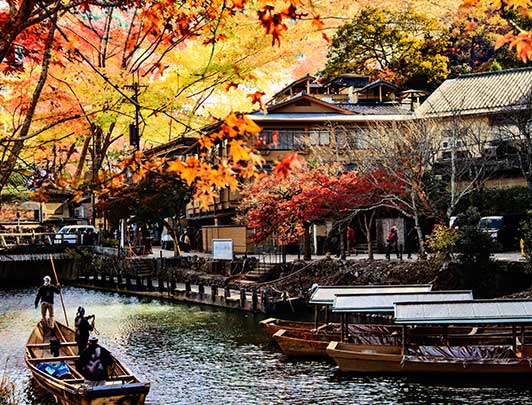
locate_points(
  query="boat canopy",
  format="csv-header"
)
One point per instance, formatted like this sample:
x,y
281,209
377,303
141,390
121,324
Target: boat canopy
x,y
385,302
495,311
324,295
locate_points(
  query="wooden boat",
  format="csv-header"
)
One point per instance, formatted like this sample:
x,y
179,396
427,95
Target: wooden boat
x,y
304,343
300,343
121,387
273,325
490,359
514,357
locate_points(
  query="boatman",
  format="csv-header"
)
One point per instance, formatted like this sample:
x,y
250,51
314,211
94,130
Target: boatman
x,y
83,328
46,296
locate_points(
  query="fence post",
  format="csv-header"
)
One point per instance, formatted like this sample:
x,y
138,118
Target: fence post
x,y
254,299
214,292
242,297
188,288
227,292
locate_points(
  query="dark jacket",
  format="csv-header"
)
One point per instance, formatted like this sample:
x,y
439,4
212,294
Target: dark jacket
x,y
93,363
83,328
46,294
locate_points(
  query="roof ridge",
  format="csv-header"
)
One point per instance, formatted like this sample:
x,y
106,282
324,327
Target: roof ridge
x,y
492,72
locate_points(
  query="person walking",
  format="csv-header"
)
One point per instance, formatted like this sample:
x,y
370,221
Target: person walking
x,y
392,242
45,296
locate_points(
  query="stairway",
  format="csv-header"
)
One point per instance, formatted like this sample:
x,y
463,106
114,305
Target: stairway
x,y
260,272
141,266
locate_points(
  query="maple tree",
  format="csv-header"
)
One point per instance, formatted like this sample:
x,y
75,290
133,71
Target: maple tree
x,y
517,13
93,39
473,36
285,208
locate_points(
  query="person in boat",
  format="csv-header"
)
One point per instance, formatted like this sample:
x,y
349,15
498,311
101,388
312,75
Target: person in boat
x,y
93,361
84,327
45,296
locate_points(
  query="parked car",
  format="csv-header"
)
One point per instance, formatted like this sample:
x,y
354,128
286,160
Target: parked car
x,y
503,229
76,234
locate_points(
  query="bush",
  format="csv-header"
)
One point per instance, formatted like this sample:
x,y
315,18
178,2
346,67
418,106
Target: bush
x,y
442,241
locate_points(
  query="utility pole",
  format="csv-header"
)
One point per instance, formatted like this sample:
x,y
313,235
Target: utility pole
x,y
134,130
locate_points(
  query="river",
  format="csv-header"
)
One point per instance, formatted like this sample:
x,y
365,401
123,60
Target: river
x,y
198,355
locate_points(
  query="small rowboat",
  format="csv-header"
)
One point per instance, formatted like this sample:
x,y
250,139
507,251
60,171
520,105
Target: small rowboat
x,y
58,375
273,325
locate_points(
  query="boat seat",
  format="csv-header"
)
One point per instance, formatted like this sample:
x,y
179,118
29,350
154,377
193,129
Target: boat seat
x,y
122,377
47,345
58,358
74,380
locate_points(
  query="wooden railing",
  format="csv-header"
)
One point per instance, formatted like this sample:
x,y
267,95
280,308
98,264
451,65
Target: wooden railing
x,y
8,240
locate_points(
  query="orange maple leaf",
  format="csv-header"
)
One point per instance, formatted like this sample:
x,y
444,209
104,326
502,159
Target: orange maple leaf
x,y
239,4
256,97
325,37
231,85
291,162
316,22
237,151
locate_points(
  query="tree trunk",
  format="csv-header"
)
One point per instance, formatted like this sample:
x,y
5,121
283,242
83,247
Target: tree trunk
x,y
341,229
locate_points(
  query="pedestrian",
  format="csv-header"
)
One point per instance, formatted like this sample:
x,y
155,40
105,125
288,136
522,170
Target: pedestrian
x,y
411,242
392,242
45,296
351,239
83,328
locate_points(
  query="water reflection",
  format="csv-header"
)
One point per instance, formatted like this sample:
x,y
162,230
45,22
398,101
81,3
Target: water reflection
x,y
195,355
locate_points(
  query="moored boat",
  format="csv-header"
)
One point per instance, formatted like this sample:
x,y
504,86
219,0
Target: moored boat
x,y
273,325
514,357
57,373
300,343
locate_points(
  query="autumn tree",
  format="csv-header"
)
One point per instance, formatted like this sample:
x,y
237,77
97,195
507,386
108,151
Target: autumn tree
x,y
285,208
105,54
158,198
517,13
404,47
473,38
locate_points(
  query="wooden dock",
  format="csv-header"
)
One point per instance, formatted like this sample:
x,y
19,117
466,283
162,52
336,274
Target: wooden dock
x,y
226,297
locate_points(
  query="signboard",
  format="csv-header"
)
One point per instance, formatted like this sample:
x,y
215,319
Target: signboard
x,y
222,249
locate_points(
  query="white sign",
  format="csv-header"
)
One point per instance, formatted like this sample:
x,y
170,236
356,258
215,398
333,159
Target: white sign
x,y
222,249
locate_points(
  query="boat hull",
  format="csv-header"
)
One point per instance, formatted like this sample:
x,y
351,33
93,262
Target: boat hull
x,y
273,325
389,360
121,388
298,343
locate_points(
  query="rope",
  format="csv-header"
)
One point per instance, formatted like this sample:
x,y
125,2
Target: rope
x,y
285,277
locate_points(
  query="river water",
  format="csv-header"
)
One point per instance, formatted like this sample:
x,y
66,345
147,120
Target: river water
x,y
198,355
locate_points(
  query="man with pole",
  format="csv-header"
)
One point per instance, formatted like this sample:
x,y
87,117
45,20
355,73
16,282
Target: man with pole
x,y
46,297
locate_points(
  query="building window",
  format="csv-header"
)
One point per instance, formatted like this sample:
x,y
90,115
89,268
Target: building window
x,y
319,137
351,138
283,138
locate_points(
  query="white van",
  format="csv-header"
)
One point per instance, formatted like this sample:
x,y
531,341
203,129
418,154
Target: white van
x,y
69,234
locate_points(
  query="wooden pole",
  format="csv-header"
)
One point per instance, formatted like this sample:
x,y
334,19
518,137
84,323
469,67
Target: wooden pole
x,y
60,291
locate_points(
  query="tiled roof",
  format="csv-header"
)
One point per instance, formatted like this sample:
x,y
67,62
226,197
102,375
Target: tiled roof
x,y
480,93
375,109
